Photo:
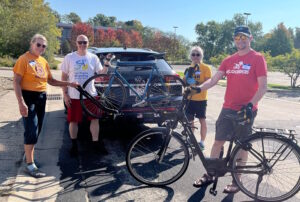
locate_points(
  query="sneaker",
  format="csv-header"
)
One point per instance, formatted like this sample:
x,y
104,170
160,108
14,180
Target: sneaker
x,y
36,173
37,164
201,145
73,151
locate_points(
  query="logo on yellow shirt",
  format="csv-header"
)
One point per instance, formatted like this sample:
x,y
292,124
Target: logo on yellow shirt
x,y
38,69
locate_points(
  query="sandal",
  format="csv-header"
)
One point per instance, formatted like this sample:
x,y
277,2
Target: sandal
x,y
231,189
203,181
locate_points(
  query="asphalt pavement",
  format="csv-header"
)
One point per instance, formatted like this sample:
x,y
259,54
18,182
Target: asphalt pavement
x,y
105,178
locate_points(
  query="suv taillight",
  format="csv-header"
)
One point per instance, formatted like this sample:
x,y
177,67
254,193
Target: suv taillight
x,y
103,79
170,78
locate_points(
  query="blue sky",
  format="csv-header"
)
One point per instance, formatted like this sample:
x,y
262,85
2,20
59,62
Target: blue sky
x,y
185,14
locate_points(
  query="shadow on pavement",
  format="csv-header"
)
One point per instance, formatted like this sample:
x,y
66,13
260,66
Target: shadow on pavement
x,y
100,176
11,153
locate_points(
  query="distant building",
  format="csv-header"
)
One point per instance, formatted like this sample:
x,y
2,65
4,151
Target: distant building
x,y
67,28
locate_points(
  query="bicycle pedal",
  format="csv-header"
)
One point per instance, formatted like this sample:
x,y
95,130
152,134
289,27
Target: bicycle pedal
x,y
212,191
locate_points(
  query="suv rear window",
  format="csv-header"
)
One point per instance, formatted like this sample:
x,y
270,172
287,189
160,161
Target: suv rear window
x,y
131,57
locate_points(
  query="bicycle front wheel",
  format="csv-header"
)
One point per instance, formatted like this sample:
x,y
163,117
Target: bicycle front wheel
x,y
109,94
153,162
165,93
271,168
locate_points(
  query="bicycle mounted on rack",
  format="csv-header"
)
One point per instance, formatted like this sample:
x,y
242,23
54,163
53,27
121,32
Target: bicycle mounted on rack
x,y
113,93
160,156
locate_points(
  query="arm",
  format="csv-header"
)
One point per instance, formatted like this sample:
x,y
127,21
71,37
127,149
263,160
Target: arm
x,y
54,82
66,97
104,69
212,81
106,64
262,89
18,91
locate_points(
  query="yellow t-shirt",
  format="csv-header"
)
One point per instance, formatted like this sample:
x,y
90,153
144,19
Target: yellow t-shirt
x,y
34,70
205,73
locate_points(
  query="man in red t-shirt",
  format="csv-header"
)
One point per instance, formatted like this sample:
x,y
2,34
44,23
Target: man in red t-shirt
x,y
246,72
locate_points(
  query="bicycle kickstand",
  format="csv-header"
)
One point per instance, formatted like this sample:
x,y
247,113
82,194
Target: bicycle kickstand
x,y
213,190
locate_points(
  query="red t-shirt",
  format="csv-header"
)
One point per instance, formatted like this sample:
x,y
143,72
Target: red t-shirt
x,y
242,73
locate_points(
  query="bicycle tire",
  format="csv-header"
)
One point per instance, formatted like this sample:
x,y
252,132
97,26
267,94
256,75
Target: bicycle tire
x,y
108,99
146,147
283,179
165,93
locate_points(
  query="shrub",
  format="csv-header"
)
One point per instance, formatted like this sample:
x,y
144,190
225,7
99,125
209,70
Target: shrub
x,y
66,47
53,64
7,61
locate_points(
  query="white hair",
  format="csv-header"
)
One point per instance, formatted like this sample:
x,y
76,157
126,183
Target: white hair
x,y
38,36
199,50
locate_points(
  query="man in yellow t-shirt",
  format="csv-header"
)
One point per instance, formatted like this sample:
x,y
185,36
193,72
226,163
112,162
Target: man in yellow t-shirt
x,y
196,74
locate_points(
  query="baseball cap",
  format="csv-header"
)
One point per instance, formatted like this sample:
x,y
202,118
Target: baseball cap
x,y
242,30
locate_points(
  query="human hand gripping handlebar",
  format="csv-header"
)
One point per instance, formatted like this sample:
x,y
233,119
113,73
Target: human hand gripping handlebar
x,y
192,89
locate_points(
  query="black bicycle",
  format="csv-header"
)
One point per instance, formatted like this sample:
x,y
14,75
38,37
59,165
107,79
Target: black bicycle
x,y
160,156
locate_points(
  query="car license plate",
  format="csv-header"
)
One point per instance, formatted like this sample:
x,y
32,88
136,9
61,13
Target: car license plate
x,y
139,90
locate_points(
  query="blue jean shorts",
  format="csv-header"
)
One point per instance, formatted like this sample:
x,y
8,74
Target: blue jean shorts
x,y
36,103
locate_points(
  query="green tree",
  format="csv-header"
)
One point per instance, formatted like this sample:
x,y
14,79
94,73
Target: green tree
x,y
217,60
102,20
66,47
56,14
20,20
209,36
71,18
297,38
133,24
280,41
289,64
292,67
216,38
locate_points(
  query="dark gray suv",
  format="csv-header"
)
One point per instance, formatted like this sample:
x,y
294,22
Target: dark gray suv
x,y
130,61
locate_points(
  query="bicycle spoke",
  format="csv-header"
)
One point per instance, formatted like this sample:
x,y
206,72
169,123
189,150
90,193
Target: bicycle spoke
x,y
280,167
146,164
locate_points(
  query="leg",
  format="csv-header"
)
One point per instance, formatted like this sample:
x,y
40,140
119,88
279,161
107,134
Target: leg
x,y
33,124
73,130
29,151
98,145
203,129
216,148
30,133
94,128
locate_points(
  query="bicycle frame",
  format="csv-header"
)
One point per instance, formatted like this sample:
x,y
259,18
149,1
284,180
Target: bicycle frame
x,y
219,166
126,83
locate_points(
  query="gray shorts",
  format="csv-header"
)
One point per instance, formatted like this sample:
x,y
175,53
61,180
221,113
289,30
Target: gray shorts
x,y
225,127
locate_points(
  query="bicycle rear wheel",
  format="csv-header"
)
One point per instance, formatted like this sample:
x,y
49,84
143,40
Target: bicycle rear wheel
x,y
149,164
165,93
109,94
278,163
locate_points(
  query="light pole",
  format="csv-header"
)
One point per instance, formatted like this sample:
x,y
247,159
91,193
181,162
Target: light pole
x,y
247,14
174,55
175,27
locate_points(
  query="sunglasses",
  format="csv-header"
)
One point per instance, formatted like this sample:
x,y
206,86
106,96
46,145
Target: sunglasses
x,y
39,45
195,54
82,42
240,37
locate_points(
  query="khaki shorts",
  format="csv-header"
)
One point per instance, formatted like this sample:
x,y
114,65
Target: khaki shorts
x,y
226,129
